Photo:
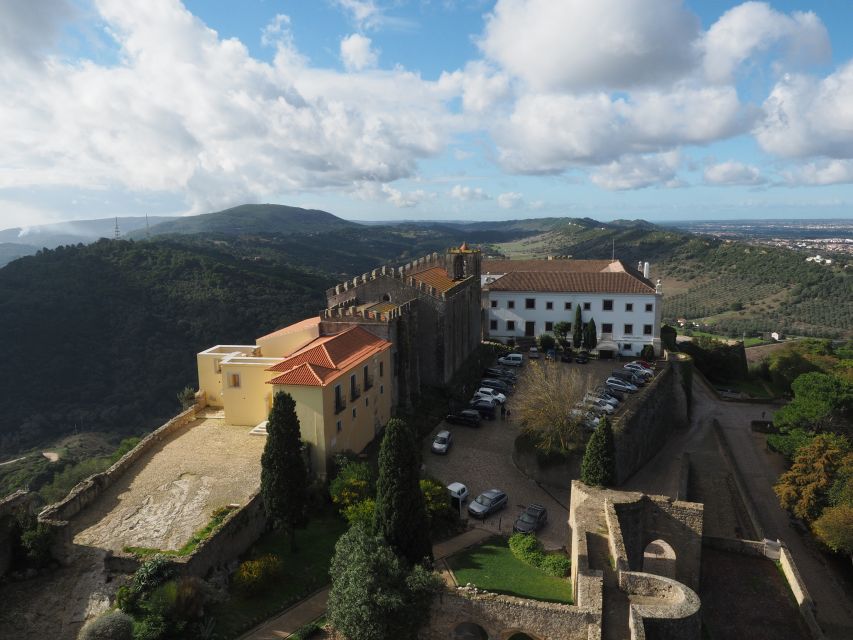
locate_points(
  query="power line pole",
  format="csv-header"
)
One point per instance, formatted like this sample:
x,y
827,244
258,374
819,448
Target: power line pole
x,y
117,233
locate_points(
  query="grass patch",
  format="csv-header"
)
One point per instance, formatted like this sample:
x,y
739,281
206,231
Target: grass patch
x,y
751,387
305,571
197,538
491,566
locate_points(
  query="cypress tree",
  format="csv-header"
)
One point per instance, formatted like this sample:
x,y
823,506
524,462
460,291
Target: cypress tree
x,y
400,516
598,468
284,478
590,335
577,330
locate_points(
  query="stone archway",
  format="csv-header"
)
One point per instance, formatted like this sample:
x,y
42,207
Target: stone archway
x,y
520,635
659,559
469,631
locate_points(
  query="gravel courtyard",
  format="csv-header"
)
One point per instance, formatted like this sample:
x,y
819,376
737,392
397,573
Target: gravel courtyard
x,y
172,491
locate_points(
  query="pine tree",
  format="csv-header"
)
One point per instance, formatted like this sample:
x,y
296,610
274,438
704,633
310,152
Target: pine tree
x,y
400,516
598,468
577,331
284,478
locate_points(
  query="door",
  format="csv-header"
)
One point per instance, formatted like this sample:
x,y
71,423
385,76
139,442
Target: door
x,y
530,329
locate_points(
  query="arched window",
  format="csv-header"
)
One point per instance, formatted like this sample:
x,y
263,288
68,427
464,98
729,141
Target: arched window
x,y
469,631
459,267
659,559
386,298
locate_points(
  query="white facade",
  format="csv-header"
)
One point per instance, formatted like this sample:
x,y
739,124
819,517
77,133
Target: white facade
x,y
625,322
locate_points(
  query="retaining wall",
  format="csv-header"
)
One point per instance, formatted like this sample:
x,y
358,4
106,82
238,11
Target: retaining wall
x,y
801,594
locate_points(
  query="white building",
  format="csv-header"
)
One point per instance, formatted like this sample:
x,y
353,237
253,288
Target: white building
x,y
526,298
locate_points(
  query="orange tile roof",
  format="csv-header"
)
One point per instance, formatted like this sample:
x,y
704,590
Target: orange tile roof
x,y
560,265
327,357
435,277
291,328
561,281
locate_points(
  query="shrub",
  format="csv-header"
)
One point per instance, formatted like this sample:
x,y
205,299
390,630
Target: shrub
x,y
547,342
37,541
361,513
251,575
788,443
152,627
306,631
556,564
648,353
113,625
150,575
352,485
526,548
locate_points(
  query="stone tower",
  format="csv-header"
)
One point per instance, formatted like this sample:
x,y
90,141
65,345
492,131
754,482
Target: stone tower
x,y
462,262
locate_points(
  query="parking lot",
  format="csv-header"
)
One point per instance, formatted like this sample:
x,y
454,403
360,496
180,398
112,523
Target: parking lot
x,y
481,459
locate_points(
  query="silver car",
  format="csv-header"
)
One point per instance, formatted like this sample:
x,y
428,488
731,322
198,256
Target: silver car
x,y
487,503
442,441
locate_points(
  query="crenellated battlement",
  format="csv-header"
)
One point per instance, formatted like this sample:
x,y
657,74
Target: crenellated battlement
x,y
351,312
426,262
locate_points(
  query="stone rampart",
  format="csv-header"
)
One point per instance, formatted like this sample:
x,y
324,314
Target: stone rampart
x,y
801,593
87,491
233,538
650,418
502,616
670,610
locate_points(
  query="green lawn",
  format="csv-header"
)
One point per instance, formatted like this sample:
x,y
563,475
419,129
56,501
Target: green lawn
x,y
305,571
491,566
749,342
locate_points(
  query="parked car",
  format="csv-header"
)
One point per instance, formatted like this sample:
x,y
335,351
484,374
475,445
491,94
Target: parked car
x,y
486,408
487,503
604,391
582,358
511,360
533,354
490,394
629,376
638,368
596,398
442,442
550,354
531,519
466,417
457,491
497,385
620,385
599,406
499,373
588,419
646,364
566,356
608,396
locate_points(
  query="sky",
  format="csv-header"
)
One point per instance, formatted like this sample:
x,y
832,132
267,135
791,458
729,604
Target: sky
x,y
427,109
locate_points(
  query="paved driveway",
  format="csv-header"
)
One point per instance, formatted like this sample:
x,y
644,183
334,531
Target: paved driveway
x,y
481,459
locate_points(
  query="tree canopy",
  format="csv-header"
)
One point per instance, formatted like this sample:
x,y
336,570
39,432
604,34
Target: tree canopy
x,y
577,330
804,489
821,402
598,467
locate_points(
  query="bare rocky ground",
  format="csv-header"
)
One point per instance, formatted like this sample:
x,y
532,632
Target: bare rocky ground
x,y
159,502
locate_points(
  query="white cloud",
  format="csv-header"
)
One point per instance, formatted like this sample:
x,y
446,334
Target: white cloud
x,y
356,52
481,86
510,200
733,173
821,173
387,193
466,194
638,172
804,116
572,44
185,111
549,133
364,13
27,29
755,27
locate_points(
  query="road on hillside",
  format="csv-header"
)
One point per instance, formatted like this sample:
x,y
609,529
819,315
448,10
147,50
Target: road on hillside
x,y
760,469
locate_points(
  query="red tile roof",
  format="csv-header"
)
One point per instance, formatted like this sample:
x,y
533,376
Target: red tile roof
x,y
568,282
578,266
299,326
435,277
327,357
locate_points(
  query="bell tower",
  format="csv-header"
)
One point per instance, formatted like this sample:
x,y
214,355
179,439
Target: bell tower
x,y
462,262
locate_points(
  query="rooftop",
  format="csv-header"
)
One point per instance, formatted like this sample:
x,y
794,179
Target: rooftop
x,y
577,282
325,358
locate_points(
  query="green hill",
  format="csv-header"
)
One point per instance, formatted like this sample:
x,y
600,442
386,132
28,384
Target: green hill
x,y
251,219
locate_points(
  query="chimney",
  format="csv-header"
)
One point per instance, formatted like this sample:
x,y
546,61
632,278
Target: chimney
x,y
646,270
640,266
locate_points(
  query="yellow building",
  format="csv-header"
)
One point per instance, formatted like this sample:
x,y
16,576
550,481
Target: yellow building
x,y
341,383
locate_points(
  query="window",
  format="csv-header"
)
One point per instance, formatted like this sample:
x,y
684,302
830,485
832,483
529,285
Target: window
x,y
649,307
510,304
530,303
493,325
569,330
629,330
340,426
353,412
340,405
234,380
626,347
368,379
568,306
381,389
494,304
647,329
549,305
629,306
607,305
354,391
549,326
607,327
510,325
381,368
586,306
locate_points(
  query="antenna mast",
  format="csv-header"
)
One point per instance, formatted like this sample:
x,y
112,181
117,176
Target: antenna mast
x,y
613,250
147,228
117,232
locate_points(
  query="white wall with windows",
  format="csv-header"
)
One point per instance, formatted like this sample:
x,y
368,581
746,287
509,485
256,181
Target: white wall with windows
x,y
625,322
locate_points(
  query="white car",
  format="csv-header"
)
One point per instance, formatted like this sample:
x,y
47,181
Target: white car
x,y
458,490
511,360
490,394
587,418
533,354
638,368
620,385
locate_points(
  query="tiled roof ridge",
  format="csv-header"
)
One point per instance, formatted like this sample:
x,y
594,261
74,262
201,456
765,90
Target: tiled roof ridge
x,y
572,282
